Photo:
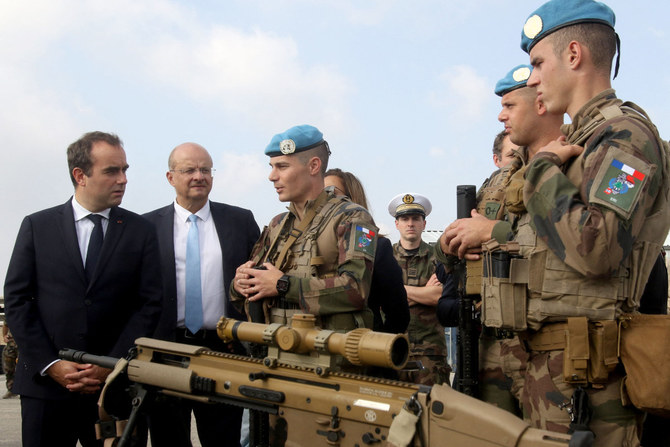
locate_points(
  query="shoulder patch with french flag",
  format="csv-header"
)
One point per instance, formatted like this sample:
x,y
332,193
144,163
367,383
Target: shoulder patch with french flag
x,y
365,238
621,185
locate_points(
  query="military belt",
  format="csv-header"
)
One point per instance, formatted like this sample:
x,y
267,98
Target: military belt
x,y
497,333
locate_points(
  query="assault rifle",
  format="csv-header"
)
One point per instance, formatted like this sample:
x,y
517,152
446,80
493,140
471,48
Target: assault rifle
x,y
309,403
467,374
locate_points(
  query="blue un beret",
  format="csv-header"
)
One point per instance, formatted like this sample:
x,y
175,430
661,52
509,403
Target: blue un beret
x,y
296,139
556,14
516,78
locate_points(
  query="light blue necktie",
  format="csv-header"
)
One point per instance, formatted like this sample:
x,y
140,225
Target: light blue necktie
x,y
193,317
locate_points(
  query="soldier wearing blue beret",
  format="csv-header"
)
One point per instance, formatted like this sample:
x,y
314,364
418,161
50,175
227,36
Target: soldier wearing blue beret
x,y
318,257
498,216
598,200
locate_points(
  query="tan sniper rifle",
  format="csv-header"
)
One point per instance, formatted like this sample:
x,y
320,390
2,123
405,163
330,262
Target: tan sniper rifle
x,y
310,404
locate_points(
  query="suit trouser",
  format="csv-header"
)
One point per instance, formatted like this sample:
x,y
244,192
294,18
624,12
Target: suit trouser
x,y
58,423
170,418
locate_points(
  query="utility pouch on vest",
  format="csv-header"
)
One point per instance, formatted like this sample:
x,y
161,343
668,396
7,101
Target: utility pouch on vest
x,y
504,283
347,321
283,316
604,349
646,357
473,281
576,355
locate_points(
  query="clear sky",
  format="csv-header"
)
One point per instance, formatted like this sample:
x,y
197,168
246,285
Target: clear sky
x,y
403,91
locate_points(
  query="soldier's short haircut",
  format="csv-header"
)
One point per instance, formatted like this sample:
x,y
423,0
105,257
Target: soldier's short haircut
x,y
600,39
321,151
498,143
79,152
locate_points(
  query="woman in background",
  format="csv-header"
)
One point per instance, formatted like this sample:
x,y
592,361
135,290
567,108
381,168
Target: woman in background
x,y
388,298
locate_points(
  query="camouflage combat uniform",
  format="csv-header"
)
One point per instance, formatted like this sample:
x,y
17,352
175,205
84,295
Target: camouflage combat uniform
x,y
426,334
330,264
502,359
600,221
9,356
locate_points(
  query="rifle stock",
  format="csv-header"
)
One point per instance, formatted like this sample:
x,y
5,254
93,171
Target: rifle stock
x,y
335,409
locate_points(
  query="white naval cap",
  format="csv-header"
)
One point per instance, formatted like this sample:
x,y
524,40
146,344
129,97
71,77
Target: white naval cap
x,y
409,203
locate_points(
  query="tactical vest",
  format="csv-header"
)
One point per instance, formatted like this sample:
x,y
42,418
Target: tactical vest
x,y
491,196
314,254
557,291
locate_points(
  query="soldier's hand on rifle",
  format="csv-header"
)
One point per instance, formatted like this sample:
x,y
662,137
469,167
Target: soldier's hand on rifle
x,y
561,149
464,237
262,283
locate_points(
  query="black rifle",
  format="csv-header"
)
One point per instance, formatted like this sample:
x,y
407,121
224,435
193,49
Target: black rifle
x,y
467,371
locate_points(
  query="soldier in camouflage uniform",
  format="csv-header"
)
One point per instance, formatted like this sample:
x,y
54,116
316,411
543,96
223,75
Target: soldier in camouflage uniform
x,y
597,199
318,257
417,262
9,355
527,124
502,360
503,150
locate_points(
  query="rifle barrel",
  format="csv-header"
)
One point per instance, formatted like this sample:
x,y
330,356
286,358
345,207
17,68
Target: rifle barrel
x,y
83,357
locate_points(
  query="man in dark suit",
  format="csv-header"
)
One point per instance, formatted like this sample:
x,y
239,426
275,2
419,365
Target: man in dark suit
x,y
83,275
201,244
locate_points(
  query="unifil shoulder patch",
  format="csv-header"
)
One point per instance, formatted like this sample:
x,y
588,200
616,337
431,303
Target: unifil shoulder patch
x,y
620,181
365,240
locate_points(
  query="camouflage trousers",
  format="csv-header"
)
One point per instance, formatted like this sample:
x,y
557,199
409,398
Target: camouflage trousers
x,y
502,367
9,356
432,367
544,390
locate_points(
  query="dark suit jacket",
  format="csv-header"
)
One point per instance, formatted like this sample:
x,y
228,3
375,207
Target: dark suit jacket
x,y
237,231
51,306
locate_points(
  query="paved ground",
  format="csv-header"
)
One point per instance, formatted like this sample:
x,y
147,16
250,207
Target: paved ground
x,y
10,420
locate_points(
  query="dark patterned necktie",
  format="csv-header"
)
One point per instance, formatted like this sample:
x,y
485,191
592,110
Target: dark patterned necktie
x,y
94,245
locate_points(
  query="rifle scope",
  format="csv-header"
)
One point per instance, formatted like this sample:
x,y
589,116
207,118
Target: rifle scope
x,y
360,346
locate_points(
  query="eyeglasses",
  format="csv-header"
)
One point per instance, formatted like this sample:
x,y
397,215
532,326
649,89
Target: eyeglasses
x,y
192,171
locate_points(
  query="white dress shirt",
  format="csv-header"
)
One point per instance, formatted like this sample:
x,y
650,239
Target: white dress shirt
x,y
211,265
85,226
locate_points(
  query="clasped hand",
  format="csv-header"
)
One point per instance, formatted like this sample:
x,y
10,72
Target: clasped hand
x,y
255,284
81,378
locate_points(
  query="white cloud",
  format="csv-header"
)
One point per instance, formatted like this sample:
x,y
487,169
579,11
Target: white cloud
x,y
657,33
249,75
255,74
465,92
436,152
237,174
